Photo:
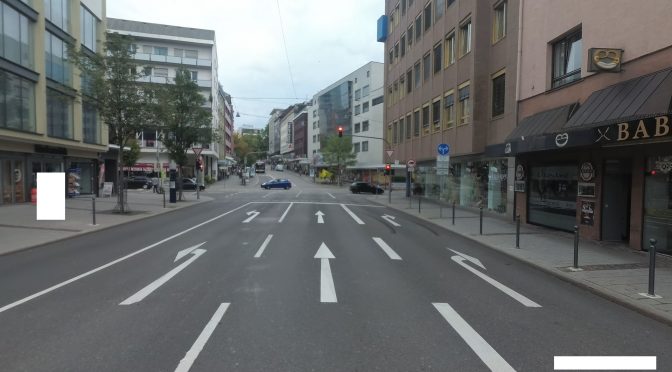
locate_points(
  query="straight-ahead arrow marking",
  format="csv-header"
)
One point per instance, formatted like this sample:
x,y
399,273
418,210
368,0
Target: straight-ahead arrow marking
x,y
390,219
263,246
327,289
141,294
510,292
320,216
488,355
386,248
192,354
354,216
253,215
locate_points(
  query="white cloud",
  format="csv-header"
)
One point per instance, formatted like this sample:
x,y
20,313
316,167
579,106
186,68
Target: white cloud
x,y
326,40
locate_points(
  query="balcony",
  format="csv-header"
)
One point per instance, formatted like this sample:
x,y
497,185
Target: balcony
x,y
172,59
170,80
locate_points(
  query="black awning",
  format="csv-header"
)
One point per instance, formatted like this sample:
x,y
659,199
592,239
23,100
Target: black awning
x,y
545,122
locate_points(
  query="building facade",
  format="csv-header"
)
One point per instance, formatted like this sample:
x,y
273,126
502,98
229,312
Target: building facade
x,y
448,80
46,125
593,144
161,50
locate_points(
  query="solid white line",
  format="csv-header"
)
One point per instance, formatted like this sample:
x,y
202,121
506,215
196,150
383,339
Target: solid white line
x,y
297,195
192,354
318,203
513,294
390,252
612,363
333,197
76,278
151,287
263,246
282,218
354,217
484,351
327,289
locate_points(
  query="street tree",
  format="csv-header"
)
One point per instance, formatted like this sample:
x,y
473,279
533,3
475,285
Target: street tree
x,y
131,156
110,85
338,152
182,120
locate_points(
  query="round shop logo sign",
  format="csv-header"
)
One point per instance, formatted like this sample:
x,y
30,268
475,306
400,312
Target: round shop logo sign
x,y
561,139
587,171
520,172
18,176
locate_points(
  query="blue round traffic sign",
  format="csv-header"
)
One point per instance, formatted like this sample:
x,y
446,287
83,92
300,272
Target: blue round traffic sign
x,y
443,149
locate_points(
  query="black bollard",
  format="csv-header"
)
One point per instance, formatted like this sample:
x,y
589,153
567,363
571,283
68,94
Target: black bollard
x,y
518,231
453,212
652,266
419,202
93,204
576,247
480,220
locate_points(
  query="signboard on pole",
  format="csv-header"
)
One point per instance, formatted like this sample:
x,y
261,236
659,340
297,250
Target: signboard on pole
x,y
442,165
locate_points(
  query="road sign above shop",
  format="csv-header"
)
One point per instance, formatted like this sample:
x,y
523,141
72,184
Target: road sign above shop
x,y
443,149
411,163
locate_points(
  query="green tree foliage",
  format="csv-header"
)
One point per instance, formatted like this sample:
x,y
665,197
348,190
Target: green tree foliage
x,y
338,153
131,156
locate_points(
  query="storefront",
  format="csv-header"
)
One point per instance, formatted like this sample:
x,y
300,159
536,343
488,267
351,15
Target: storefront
x,y
658,202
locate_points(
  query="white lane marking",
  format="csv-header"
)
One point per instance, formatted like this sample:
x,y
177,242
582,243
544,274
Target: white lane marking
x,y
354,217
151,287
327,289
282,218
602,363
473,260
320,217
192,354
263,246
333,197
267,194
253,214
186,251
390,219
93,271
513,294
488,355
297,195
318,203
387,249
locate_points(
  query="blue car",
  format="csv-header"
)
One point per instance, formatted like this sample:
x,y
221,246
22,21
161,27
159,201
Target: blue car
x,y
277,184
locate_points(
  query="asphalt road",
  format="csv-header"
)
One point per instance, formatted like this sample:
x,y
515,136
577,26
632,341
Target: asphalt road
x,y
249,294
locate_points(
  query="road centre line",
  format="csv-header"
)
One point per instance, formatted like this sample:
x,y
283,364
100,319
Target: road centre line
x,y
488,355
282,218
387,249
354,217
263,246
192,354
93,271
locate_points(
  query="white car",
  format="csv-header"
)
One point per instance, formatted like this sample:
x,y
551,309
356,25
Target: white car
x,y
279,167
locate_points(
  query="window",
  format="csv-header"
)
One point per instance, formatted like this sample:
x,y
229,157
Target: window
x,y
358,95
403,45
391,57
410,35
56,59
450,2
567,56
194,75
314,115
58,13
365,91
368,73
314,136
418,27
436,114
440,9
401,129
464,105
403,7
160,72
161,51
377,101
357,127
499,22
465,38
395,96
426,66
147,70
17,103
191,53
425,119
389,96
449,109
409,80
356,147
498,94
396,51
450,48
416,72
88,24
365,126
90,122
358,109
59,115
416,123
428,16
438,57
395,132
408,126
365,107
147,49
16,35
389,132
402,86
365,146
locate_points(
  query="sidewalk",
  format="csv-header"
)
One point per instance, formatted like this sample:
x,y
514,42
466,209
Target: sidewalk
x,y
20,229
611,270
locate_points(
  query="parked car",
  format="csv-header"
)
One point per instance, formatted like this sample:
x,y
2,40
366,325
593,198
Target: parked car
x,y
138,182
279,167
190,184
277,184
357,187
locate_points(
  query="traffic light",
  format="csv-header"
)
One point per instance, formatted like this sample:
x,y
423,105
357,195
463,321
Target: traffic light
x,y
388,169
199,164
340,131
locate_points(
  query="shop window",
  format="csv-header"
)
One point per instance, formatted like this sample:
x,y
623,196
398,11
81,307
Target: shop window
x,y
552,196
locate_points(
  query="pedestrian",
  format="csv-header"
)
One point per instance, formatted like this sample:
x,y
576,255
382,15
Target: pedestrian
x,y
155,184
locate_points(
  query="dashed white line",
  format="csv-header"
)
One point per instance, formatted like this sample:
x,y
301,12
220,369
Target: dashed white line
x,y
297,195
354,216
282,218
266,196
192,354
333,197
263,246
387,249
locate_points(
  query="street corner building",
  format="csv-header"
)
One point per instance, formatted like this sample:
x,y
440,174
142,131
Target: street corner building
x,y
44,125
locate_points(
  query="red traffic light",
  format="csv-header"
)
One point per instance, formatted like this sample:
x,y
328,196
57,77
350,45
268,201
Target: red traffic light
x,y
340,131
388,167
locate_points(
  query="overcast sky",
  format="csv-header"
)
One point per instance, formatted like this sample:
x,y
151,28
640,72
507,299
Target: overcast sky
x,y
326,40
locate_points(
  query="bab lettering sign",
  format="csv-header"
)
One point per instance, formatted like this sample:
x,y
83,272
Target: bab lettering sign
x,y
642,129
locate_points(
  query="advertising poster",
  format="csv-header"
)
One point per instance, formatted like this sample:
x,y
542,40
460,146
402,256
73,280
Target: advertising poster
x,y
587,212
74,177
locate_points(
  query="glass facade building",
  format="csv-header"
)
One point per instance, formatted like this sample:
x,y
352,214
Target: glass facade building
x,y
335,110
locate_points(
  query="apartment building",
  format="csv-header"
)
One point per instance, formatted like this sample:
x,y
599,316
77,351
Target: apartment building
x,y
161,50
448,79
225,116
45,124
593,143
